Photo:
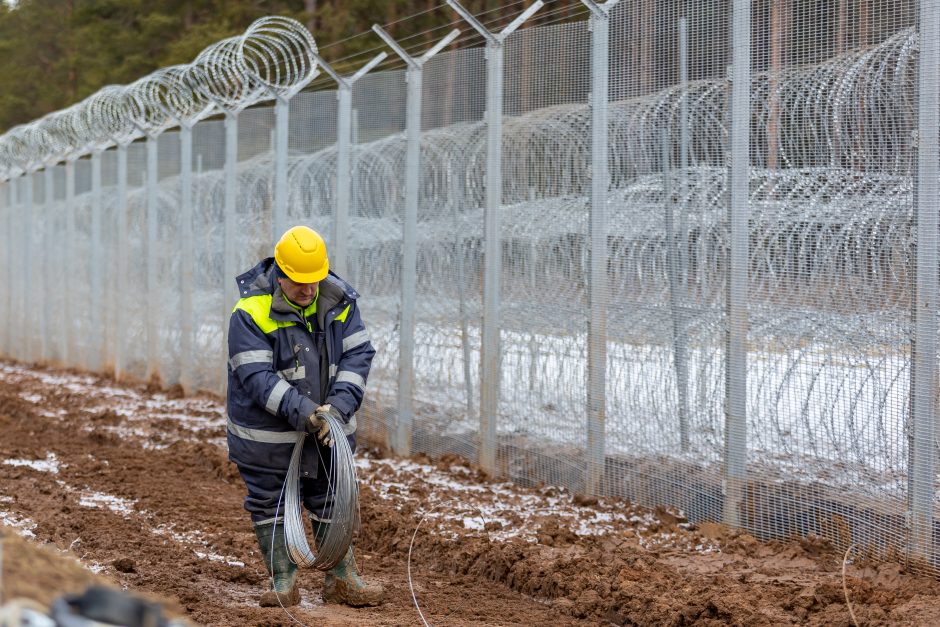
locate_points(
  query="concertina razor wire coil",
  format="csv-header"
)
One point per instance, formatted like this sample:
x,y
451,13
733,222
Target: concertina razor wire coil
x,y
279,53
217,73
174,92
275,56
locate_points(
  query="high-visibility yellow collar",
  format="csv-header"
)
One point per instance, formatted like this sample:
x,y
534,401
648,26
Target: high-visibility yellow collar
x,y
307,311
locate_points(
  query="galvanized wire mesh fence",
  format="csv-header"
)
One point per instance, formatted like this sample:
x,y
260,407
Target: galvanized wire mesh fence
x,y
708,278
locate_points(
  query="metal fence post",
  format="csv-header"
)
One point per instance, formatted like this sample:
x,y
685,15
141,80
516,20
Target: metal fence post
x,y
121,263
737,320
21,284
68,247
681,243
10,189
46,262
492,270
7,262
343,178
31,270
229,234
401,440
339,244
281,190
598,289
490,360
151,251
186,256
16,257
676,298
96,263
923,454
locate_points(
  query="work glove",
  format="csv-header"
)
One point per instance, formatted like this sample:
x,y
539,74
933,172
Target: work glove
x,y
318,424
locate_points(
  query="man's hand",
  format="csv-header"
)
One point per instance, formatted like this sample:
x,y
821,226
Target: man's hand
x,y
319,424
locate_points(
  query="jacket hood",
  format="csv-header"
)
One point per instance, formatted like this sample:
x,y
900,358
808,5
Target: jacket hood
x,y
258,280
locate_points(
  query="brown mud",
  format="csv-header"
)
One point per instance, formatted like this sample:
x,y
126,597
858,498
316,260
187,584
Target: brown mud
x,y
134,484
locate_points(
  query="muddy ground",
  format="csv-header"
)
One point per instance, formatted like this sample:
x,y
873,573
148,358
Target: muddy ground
x,y
133,484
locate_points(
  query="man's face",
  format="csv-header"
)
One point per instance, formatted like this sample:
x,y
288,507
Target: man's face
x,y
299,293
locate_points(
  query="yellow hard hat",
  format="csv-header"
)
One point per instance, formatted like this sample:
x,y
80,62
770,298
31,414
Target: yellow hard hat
x,y
301,254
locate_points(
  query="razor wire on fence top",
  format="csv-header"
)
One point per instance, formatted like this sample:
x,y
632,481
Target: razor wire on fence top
x,y
686,291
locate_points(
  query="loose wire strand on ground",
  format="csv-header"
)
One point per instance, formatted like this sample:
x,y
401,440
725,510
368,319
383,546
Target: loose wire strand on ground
x,y
845,588
411,545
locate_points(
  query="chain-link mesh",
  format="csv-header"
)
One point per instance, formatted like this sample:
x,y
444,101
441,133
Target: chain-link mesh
x,y
621,362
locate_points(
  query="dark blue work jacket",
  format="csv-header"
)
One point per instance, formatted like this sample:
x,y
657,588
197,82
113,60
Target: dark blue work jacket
x,y
284,362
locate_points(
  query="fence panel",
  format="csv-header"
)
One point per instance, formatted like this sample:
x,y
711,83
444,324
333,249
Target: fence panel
x,y
712,287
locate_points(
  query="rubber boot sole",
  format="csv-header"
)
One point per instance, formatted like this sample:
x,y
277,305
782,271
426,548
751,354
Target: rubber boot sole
x,y
280,599
338,592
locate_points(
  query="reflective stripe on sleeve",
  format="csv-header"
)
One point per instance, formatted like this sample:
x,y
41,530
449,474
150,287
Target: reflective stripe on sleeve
x,y
333,369
277,393
354,340
251,357
293,374
260,435
346,376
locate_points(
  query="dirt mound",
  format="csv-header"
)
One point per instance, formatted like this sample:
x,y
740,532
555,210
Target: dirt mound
x,y
43,573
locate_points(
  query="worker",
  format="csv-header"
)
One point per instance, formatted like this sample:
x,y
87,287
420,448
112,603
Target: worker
x,y
298,353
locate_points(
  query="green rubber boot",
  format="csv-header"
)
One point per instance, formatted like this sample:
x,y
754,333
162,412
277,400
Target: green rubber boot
x,y
342,583
283,590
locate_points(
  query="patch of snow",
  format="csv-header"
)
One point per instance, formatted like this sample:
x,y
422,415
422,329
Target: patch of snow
x,y
473,523
24,526
517,513
215,557
195,537
50,464
116,504
189,537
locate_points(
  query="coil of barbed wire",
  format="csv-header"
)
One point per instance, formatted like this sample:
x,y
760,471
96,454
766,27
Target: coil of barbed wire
x,y
12,165
343,488
43,146
279,53
108,116
145,106
218,75
68,131
20,145
172,90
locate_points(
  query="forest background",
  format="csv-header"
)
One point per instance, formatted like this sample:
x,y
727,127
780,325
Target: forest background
x,y
54,53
